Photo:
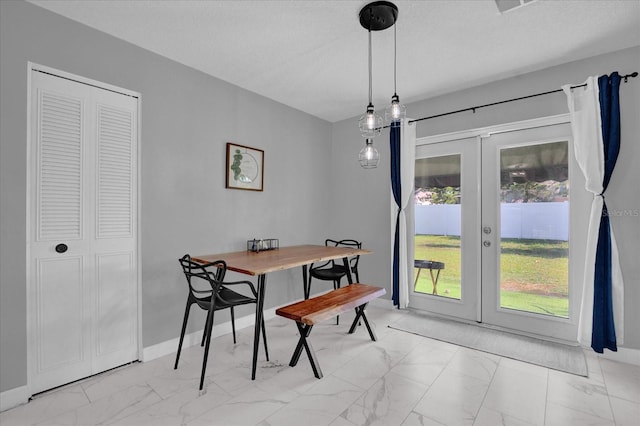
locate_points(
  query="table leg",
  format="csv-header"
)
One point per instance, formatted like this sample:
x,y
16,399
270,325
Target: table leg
x,y
348,268
258,326
306,283
345,260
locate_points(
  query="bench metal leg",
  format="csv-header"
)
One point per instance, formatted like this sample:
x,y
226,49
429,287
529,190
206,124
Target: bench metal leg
x,y
305,330
361,315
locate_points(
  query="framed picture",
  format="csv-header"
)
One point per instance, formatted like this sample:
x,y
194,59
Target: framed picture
x,y
244,167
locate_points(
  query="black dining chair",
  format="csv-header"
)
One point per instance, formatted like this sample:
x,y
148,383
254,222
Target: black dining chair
x,y
334,270
208,290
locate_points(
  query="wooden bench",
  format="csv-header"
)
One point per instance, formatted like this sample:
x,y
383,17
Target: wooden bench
x,y
309,312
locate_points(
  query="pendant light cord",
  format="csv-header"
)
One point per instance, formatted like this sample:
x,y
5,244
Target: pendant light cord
x,y
370,62
395,60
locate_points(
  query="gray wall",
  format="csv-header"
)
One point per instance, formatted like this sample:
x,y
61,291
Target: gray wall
x,y
367,192
187,118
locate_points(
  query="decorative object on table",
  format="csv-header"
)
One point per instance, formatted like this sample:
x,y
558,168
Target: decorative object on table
x,y
378,16
263,245
245,167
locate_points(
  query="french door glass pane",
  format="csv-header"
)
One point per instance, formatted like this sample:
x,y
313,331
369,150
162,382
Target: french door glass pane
x,y
534,228
438,226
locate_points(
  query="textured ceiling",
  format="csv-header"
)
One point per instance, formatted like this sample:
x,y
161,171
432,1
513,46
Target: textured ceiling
x,y
312,55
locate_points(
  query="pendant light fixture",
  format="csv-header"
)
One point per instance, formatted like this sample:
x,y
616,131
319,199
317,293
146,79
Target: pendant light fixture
x,y
369,156
370,122
395,111
376,16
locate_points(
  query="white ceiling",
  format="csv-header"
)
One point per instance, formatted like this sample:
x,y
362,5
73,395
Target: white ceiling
x,y
312,55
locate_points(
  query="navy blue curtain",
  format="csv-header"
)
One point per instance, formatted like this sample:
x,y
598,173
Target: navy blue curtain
x,y
396,188
603,334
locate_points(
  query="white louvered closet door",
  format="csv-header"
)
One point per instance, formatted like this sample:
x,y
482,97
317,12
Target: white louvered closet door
x,y
83,303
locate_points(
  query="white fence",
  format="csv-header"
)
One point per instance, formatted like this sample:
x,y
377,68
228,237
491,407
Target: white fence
x,y
542,221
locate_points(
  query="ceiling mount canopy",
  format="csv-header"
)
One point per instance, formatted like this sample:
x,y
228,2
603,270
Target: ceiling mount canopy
x,y
378,16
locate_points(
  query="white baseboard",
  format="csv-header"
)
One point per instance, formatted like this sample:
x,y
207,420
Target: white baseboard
x,y
382,303
626,355
167,347
14,397
170,346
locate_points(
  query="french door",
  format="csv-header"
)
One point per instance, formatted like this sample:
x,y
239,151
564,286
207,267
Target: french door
x,y
501,212
82,252
448,178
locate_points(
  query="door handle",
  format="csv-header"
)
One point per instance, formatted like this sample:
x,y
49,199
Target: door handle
x,y
61,248
486,243
486,230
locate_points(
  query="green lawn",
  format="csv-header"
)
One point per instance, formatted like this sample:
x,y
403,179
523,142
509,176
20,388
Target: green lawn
x,y
533,272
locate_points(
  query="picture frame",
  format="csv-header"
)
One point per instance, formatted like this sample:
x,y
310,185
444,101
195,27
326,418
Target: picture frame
x,y
244,167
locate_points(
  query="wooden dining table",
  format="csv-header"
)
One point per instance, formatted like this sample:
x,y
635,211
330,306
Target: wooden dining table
x,y
261,263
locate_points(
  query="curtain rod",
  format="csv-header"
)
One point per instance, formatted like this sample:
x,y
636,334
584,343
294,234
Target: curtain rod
x,y
625,78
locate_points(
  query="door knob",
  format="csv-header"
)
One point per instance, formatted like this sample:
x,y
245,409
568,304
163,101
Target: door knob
x,y
486,243
486,230
61,248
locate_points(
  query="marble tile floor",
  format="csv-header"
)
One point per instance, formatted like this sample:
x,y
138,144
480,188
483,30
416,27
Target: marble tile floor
x,y
402,379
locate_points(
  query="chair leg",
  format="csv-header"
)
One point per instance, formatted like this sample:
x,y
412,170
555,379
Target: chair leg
x,y
184,328
233,325
308,289
336,285
204,330
209,329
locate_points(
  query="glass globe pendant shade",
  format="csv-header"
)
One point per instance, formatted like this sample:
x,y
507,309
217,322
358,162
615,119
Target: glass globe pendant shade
x,y
395,111
370,123
369,156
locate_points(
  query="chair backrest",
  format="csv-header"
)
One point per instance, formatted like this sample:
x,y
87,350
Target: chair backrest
x,y
203,279
353,261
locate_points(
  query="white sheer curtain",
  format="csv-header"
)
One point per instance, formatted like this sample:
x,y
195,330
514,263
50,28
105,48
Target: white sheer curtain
x,y
586,126
407,166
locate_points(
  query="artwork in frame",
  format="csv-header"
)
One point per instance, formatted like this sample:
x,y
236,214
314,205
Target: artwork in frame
x,y
245,167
